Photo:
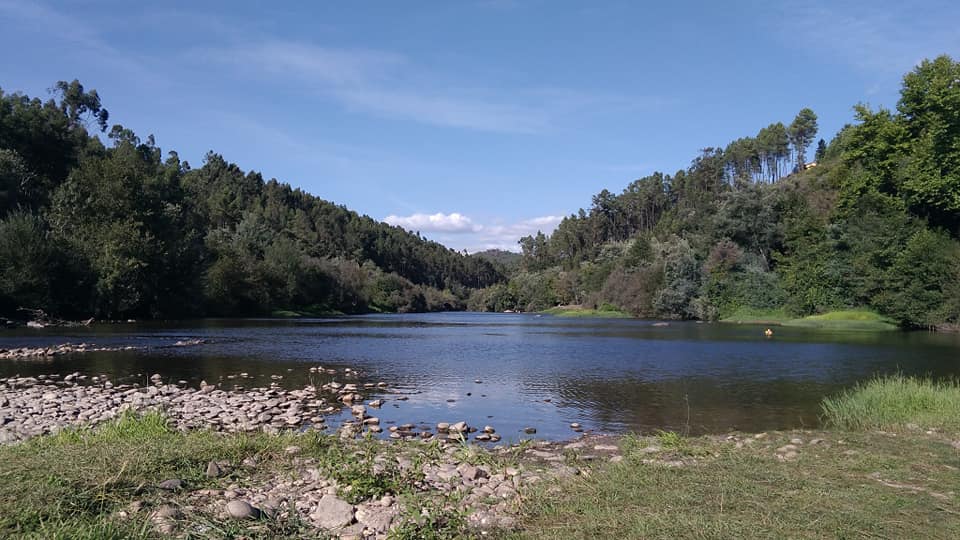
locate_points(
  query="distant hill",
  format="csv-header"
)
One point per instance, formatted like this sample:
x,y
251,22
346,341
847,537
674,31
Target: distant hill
x,y
123,231
749,232
509,261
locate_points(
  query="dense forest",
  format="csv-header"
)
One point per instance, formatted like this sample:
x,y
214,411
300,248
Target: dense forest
x,y
753,227
114,228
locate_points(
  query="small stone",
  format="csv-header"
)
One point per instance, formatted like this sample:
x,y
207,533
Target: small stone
x,y
575,425
213,470
166,511
489,429
459,427
174,484
292,450
238,509
443,426
530,430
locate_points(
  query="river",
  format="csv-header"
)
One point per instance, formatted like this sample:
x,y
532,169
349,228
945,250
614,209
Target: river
x,y
514,371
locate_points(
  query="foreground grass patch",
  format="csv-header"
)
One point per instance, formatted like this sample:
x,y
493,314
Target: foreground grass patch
x,y
895,403
847,485
71,485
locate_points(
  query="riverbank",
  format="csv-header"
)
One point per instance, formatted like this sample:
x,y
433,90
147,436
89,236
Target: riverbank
x,y
851,320
141,478
151,474
580,311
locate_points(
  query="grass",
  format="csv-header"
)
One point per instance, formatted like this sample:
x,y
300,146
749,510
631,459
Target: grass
x,y
746,315
847,320
316,311
851,481
577,311
896,403
855,485
73,484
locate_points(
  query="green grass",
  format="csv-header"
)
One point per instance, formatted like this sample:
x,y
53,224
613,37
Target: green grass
x,y
73,484
745,315
855,319
606,313
847,320
316,311
854,485
893,403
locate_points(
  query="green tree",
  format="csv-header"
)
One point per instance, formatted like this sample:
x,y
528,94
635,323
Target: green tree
x,y
802,132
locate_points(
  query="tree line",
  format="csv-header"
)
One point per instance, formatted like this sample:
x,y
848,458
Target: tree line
x,y
114,228
750,228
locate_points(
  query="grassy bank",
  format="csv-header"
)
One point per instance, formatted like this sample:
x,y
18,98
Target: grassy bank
x,y
577,311
821,485
896,403
849,482
853,320
293,314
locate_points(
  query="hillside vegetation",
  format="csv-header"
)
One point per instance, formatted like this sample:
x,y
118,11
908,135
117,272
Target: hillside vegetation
x,y
117,229
753,227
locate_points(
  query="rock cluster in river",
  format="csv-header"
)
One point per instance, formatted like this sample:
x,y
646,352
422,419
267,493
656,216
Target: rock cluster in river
x,y
57,350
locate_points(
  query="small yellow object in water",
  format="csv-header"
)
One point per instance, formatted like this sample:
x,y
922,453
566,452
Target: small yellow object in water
x,y
768,332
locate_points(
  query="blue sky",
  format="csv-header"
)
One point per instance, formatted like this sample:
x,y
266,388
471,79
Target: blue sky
x,y
474,122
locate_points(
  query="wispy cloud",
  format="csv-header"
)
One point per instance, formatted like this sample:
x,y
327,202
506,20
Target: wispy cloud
x,y
77,37
883,40
380,82
459,231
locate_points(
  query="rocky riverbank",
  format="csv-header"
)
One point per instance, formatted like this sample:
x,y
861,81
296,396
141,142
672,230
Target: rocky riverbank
x,y
344,484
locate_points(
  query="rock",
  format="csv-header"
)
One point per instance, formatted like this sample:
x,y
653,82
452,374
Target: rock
x,y
443,426
174,484
529,430
489,429
358,410
459,427
377,403
214,470
574,425
291,450
238,509
165,511
376,518
332,513
606,447
471,472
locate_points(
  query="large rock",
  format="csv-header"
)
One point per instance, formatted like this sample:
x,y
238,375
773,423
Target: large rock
x,y
332,513
238,509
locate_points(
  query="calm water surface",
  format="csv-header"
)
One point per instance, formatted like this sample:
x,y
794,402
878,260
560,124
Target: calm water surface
x,y
541,371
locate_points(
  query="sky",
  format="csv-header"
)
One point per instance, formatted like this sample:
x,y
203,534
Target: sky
x,y
472,122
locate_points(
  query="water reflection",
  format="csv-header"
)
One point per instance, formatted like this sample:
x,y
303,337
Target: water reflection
x,y
609,375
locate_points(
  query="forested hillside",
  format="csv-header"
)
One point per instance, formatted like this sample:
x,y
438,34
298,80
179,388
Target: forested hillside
x,y
115,228
753,227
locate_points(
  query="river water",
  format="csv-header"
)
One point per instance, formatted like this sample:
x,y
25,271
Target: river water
x,y
610,375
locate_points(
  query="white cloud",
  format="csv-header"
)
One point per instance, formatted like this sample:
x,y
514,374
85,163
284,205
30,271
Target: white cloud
x,y
458,231
439,222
